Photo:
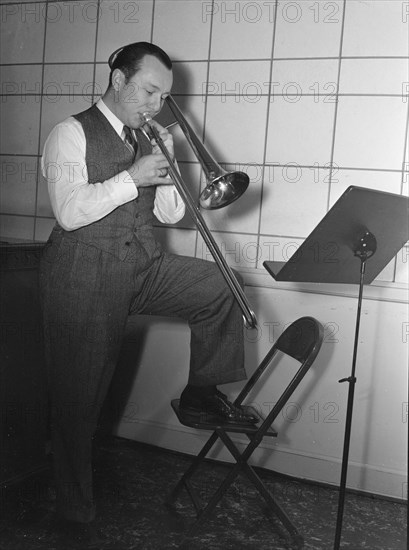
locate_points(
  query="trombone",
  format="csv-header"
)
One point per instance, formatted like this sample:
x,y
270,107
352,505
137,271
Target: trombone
x,y
222,189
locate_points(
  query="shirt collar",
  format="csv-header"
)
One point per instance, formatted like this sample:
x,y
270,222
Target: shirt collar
x,y
117,125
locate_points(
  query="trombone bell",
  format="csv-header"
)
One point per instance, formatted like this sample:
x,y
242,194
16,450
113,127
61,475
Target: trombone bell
x,y
222,187
223,190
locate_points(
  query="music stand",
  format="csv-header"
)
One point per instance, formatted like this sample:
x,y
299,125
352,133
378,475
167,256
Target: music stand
x,y
364,224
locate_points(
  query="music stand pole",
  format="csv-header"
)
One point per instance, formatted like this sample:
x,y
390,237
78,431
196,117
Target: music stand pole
x,y
365,249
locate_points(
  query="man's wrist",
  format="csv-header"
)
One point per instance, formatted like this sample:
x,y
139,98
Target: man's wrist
x,y
125,185
131,171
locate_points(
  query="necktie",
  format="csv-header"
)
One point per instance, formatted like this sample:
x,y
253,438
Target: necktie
x,y
130,141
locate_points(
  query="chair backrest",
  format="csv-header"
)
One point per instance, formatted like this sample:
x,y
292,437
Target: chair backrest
x,y
302,341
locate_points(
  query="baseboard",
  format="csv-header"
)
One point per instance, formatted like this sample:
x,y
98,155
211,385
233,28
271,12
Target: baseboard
x,y
323,470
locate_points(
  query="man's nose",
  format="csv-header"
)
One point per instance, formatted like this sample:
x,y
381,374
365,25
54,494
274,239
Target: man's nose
x,y
155,103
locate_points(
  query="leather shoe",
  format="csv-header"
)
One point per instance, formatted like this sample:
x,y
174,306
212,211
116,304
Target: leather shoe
x,y
216,408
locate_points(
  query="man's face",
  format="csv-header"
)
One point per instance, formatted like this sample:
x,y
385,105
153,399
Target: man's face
x,y
144,93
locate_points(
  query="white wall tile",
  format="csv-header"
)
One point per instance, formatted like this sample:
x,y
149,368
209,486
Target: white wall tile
x,y
102,73
242,215
122,23
308,29
22,32
300,130
402,266
249,79
71,31
405,184
235,128
405,168
370,132
43,200
18,184
294,203
189,78
237,249
294,78
17,227
70,80
374,76
241,30
375,28
390,182
59,109
177,241
20,123
21,79
180,29
43,228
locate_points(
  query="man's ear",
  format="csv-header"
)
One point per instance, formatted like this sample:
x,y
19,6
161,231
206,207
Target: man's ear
x,y
118,79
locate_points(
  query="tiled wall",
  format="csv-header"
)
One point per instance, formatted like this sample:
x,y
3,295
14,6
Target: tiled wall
x,y
308,97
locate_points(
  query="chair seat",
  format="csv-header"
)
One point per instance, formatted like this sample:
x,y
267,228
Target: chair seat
x,y
203,422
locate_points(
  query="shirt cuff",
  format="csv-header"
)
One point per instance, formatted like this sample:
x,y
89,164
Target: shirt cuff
x,y
169,206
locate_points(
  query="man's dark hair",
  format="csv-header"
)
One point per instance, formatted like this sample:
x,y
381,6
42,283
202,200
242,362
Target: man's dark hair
x,y
128,59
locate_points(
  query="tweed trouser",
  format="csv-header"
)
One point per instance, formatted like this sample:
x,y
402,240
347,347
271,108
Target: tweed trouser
x,y
87,296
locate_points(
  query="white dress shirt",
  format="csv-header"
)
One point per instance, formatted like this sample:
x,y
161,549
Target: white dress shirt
x,y
77,203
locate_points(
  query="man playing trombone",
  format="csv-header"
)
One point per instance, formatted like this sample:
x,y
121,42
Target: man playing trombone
x,y
102,263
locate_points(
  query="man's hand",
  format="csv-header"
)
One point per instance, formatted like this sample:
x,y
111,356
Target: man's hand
x,y
153,169
150,170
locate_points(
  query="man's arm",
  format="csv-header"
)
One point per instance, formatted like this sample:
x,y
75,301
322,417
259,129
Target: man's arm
x,y
75,202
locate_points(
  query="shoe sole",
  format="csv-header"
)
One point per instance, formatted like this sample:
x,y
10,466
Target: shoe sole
x,y
211,418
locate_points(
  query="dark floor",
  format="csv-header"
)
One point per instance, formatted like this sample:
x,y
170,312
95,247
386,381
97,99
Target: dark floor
x,y
132,479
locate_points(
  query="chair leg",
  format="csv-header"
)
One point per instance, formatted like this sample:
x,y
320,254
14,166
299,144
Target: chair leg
x,y
272,504
214,500
222,489
243,465
183,482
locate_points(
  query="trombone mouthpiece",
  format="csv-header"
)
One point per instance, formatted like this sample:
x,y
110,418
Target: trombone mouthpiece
x,y
146,117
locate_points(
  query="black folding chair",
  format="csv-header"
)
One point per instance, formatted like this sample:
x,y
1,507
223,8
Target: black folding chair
x,y
302,341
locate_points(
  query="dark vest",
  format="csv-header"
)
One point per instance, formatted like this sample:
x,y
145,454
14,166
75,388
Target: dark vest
x,y
127,230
